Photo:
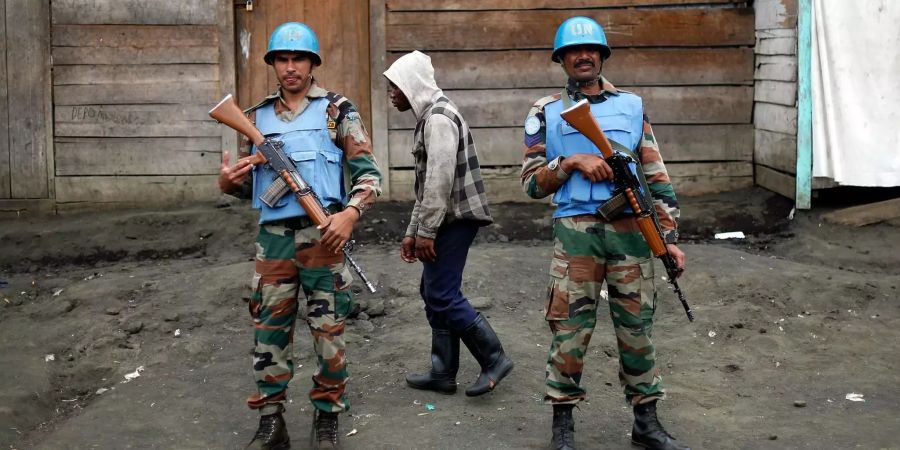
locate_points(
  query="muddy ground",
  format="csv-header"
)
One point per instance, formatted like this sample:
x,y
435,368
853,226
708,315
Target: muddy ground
x,y
790,321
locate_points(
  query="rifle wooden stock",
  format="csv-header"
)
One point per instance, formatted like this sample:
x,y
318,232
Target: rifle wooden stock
x,y
580,117
228,112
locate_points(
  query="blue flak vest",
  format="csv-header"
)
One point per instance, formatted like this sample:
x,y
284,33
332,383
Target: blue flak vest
x,y
307,142
622,119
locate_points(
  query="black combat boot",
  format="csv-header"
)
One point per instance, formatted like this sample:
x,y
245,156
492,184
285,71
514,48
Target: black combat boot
x,y
444,364
324,430
485,346
271,434
563,428
649,433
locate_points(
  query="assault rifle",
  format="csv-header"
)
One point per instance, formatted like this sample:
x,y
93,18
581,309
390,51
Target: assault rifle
x,y
579,116
270,151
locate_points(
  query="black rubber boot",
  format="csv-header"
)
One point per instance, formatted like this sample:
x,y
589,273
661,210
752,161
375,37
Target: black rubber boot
x,y
563,428
647,432
272,433
485,346
324,430
444,364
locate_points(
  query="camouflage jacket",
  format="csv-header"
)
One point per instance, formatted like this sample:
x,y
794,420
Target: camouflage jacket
x,y
539,181
349,134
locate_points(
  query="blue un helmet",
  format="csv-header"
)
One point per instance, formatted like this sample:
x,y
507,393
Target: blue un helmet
x,y
579,30
293,37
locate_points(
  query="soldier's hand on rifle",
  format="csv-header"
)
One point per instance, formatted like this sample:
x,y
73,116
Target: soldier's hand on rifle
x,y
592,167
425,249
678,255
231,178
336,229
408,249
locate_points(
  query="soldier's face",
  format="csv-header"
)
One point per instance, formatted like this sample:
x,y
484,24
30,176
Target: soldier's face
x,y
293,70
398,98
582,62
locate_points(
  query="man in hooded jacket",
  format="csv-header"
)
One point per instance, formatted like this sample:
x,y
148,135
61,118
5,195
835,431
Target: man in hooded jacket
x,y
450,207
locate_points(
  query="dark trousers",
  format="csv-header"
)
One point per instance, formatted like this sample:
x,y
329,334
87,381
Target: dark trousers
x,y
445,305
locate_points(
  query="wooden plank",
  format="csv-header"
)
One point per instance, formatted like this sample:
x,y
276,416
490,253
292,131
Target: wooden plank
x,y
776,150
775,14
504,147
380,104
28,32
134,74
483,30
227,80
134,12
776,67
203,92
664,105
775,181
146,190
473,5
17,209
771,117
242,25
503,184
114,55
633,67
138,156
803,191
131,36
135,121
778,92
5,180
776,42
867,214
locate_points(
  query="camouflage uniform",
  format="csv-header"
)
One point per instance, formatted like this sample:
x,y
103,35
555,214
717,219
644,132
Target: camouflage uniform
x,y
289,257
589,250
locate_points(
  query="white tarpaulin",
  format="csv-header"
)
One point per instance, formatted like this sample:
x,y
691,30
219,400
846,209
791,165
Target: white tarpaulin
x,y
856,91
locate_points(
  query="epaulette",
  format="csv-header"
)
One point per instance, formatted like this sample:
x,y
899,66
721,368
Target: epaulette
x,y
544,101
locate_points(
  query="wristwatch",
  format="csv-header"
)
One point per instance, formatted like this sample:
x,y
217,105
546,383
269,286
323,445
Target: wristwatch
x,y
556,166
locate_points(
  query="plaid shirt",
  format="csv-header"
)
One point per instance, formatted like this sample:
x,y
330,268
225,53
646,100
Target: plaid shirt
x,y
450,187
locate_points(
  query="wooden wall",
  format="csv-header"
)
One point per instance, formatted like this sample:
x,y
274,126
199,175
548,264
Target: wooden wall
x,y
691,61
25,150
132,83
775,98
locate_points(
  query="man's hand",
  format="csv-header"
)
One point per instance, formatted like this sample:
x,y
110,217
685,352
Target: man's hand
x,y
593,167
408,249
231,178
337,228
425,249
678,255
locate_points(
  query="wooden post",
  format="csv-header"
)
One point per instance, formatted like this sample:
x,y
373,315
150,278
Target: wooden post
x,y
28,87
377,52
803,199
5,188
227,82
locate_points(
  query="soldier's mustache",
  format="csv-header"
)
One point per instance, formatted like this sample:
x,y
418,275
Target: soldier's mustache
x,y
583,61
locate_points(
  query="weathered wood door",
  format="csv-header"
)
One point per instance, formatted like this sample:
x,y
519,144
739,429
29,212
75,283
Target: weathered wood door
x,y
24,99
342,27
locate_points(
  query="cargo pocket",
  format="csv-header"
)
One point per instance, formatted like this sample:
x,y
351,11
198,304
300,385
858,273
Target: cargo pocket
x,y
255,303
648,289
343,300
558,290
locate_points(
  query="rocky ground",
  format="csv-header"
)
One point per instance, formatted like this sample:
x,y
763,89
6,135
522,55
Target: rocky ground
x,y
130,329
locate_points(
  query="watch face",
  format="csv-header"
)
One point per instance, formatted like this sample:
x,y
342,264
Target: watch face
x,y
554,164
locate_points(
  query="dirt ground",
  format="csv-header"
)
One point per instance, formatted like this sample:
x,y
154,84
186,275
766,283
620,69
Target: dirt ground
x,y
789,322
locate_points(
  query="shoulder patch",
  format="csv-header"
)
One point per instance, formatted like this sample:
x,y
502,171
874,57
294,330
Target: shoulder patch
x,y
532,125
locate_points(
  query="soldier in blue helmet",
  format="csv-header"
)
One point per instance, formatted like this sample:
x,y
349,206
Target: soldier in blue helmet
x,y
324,135
594,245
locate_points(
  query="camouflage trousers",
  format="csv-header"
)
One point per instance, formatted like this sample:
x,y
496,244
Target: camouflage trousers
x,y
287,260
588,250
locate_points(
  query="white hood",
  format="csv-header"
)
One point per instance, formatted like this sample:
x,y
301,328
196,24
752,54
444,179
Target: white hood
x,y
414,75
